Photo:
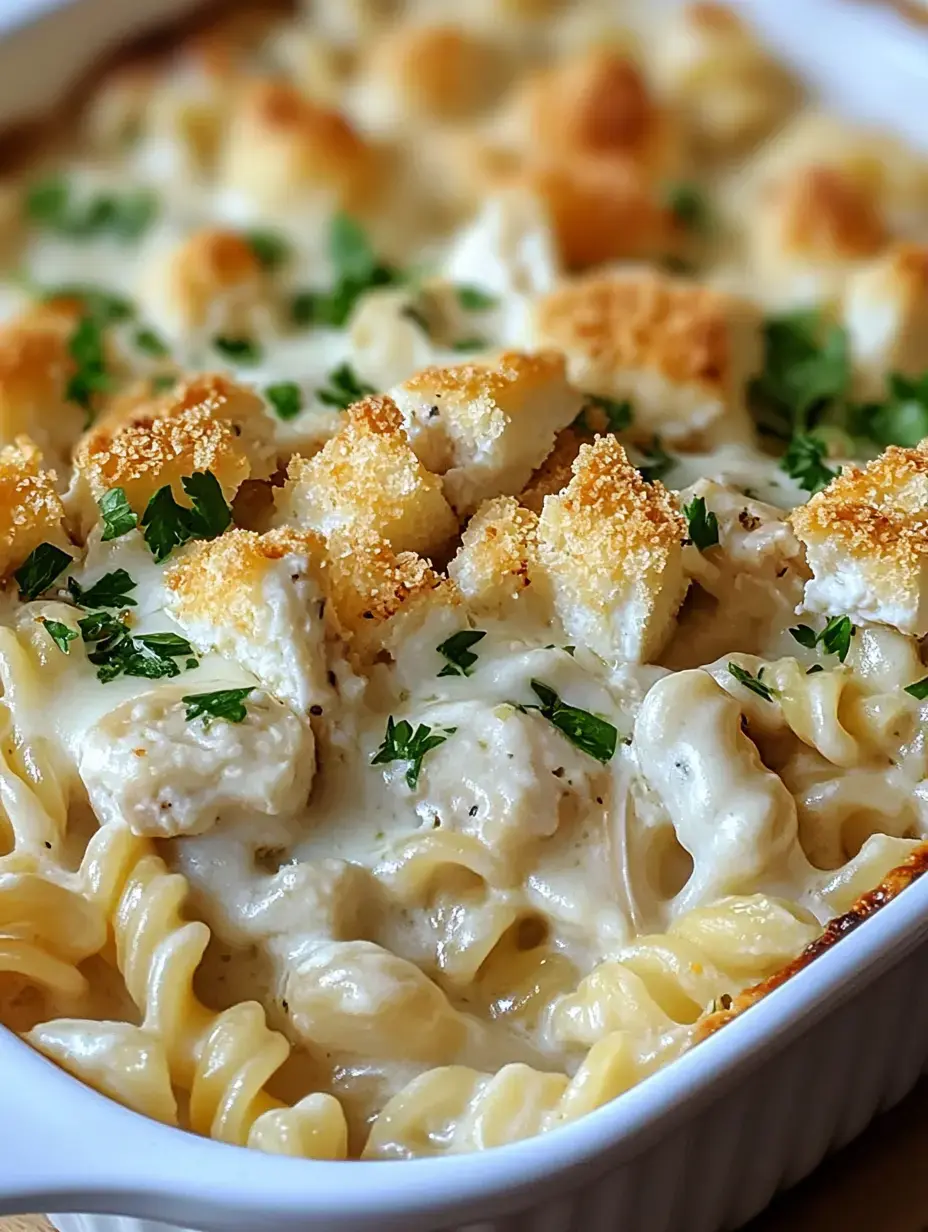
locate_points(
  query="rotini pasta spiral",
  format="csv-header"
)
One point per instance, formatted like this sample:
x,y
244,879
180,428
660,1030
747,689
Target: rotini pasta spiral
x,y
223,1060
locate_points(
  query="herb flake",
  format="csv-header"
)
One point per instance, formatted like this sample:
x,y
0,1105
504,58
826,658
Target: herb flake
x,y
118,515
343,388
587,731
401,743
60,633
227,704
457,650
918,690
40,569
111,590
702,524
755,684
286,399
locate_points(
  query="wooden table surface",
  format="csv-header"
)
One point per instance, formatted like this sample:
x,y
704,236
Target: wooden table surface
x,y
878,1184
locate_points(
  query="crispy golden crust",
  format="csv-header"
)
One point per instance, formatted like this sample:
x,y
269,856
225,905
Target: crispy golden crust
x,y
879,509
555,472
368,478
209,266
215,581
498,557
823,212
35,367
598,103
207,423
867,905
281,143
435,72
485,387
642,320
30,508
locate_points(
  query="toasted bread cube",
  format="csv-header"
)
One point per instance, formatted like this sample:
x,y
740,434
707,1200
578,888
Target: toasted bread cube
x,y
496,567
886,315
597,102
283,148
436,73
866,540
612,547
206,424
30,507
258,599
811,228
211,284
368,478
556,472
485,427
730,89
679,352
380,597
35,368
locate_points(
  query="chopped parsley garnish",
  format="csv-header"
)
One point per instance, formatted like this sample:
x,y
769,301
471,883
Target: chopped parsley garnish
x,y
918,690
40,568
104,306
112,590
457,650
343,388
286,398
806,369
816,667
655,461
228,704
587,731
702,524
51,204
271,249
688,205
117,653
239,350
357,270
470,344
167,524
754,683
401,743
118,516
901,419
473,299
835,638
85,346
147,341
60,633
803,461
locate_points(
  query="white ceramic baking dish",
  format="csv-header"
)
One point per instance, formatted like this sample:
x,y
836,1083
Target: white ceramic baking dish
x,y
702,1145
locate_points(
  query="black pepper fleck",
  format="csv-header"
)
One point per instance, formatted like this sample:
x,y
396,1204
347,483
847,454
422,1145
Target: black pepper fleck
x,y
316,710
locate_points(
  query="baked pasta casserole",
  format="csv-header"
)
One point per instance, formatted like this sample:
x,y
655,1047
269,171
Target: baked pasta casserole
x,y
464,529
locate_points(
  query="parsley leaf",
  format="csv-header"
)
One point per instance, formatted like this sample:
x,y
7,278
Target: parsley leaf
x,y
228,704
117,653
655,461
587,731
702,524
919,689
470,344
168,524
286,398
754,683
343,388
835,638
688,205
271,249
902,419
357,270
85,346
456,649
148,342
117,513
50,204
806,368
473,299
60,633
239,350
112,590
803,462
40,568
401,743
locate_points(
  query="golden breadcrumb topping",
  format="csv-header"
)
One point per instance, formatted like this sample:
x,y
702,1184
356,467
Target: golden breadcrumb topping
x,y
823,212
30,507
498,556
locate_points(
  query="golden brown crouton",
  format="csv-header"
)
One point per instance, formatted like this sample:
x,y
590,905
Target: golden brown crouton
x,y
866,539
681,353
555,472
258,599
282,148
497,564
30,508
612,547
486,426
208,423
212,281
885,312
368,478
